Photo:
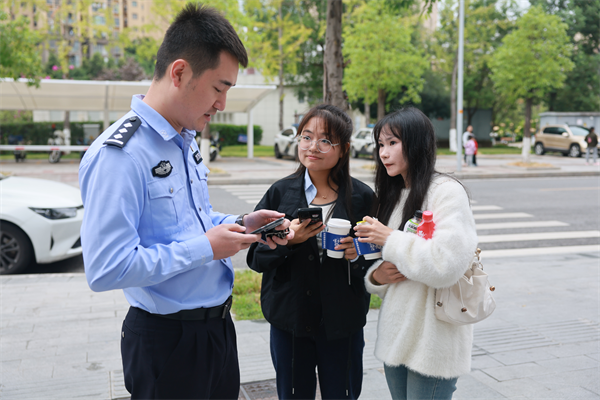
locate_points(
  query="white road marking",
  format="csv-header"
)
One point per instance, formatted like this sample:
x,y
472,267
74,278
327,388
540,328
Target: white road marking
x,y
537,251
502,215
524,224
518,237
486,208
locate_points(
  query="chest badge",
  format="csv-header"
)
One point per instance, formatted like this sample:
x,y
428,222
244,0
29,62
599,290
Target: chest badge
x,y
163,169
197,157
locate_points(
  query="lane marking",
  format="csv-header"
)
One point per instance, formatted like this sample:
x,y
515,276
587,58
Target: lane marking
x,y
518,237
516,225
486,208
502,215
537,251
568,189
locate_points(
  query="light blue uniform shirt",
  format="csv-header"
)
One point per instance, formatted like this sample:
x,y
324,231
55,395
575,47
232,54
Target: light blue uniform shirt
x,y
145,234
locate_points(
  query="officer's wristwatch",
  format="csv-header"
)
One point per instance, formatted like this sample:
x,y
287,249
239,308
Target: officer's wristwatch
x,y
240,220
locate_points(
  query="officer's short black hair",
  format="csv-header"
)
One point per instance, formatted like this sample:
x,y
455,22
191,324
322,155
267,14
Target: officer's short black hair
x,y
198,35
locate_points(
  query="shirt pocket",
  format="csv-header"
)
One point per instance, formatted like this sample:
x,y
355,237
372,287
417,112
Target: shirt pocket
x,y
202,189
167,200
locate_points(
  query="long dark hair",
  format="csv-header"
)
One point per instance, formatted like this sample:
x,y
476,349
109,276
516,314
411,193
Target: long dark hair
x,y
417,135
338,129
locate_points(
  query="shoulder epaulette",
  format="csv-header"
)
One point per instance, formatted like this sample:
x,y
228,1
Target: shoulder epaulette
x,y
121,136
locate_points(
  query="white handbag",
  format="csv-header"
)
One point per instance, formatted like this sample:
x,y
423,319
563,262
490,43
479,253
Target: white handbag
x,y
469,300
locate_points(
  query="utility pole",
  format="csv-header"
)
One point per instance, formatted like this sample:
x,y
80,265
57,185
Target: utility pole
x,y
459,102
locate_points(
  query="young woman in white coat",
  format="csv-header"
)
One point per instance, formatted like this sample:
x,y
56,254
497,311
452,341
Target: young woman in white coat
x,y
423,357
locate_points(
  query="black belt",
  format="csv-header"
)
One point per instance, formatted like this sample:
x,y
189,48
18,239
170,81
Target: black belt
x,y
199,314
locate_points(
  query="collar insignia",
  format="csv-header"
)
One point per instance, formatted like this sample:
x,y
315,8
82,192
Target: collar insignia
x,y
163,169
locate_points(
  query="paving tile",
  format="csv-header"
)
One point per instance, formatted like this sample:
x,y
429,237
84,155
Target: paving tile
x,y
569,364
515,371
523,356
587,379
576,349
374,386
485,361
468,387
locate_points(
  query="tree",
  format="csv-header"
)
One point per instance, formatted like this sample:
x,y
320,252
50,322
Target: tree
x,y
19,53
532,61
275,41
382,62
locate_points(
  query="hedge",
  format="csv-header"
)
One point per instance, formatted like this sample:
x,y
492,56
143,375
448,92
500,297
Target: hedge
x,y
228,134
39,132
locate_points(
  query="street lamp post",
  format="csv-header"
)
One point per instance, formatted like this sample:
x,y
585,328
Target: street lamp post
x,y
459,101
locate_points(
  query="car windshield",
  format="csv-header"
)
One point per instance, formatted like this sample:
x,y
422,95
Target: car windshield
x,y
579,131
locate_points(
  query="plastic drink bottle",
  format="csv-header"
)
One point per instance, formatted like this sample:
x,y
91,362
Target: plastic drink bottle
x,y
413,223
425,230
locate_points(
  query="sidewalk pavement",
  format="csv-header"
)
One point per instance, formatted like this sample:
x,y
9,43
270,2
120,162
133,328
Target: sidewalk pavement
x,y
267,170
60,340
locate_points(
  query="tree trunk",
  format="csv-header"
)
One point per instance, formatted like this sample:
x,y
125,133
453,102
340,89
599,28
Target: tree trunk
x,y
333,62
453,97
527,131
380,104
280,69
367,110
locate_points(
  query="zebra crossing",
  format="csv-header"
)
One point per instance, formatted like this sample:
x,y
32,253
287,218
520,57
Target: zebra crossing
x,y
500,227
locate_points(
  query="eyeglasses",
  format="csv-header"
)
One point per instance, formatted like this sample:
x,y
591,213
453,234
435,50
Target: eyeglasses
x,y
323,145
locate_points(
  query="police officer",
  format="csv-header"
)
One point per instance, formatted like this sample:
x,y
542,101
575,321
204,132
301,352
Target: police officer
x,y
150,230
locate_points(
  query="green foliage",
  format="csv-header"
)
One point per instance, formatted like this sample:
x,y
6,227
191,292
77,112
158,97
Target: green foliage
x,y
19,55
375,303
37,133
381,58
228,134
241,150
11,117
246,296
533,59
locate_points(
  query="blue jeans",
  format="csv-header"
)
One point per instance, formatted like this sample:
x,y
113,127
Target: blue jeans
x,y
406,384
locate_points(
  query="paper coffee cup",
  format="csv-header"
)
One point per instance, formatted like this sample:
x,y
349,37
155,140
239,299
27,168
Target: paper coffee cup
x,y
369,251
338,226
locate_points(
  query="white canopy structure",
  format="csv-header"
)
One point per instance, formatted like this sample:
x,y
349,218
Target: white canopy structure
x,y
105,96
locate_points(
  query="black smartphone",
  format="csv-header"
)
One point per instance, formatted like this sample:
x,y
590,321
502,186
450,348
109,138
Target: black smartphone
x,y
315,214
269,226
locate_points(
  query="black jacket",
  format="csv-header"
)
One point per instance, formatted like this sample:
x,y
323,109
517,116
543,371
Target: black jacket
x,y
299,292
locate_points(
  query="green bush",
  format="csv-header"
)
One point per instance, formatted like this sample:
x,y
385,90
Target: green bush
x,y
38,132
228,134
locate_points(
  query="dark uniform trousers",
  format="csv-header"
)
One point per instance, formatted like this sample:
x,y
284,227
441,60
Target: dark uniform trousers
x,y
339,364
170,359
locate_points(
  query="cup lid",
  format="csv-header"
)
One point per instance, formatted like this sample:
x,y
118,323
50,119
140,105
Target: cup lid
x,y
339,223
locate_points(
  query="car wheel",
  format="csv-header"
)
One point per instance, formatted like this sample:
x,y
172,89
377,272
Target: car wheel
x,y
16,252
539,149
277,152
574,151
354,153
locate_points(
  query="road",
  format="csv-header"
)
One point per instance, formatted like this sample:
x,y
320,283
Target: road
x,y
527,215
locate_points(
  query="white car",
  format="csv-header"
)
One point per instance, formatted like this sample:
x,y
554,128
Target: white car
x,y
40,221
286,143
362,143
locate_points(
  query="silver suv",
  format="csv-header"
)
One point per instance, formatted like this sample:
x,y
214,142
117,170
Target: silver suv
x,y
286,143
362,143
565,139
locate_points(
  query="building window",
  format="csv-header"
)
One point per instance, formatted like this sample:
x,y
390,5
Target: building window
x,y
134,4
134,16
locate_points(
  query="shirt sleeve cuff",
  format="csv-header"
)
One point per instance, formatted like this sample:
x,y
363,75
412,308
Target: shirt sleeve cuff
x,y
200,250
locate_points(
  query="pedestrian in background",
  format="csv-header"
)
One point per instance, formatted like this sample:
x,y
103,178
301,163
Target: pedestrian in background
x,y
423,356
465,139
592,146
150,229
476,150
470,149
316,304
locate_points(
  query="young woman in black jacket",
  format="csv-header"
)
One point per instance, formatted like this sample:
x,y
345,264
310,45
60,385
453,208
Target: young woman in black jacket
x,y
316,304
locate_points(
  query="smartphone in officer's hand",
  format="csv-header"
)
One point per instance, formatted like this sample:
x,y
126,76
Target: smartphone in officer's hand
x,y
315,214
269,226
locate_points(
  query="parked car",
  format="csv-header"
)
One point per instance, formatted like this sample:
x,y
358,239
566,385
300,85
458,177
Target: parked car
x,y
362,143
39,221
286,143
566,139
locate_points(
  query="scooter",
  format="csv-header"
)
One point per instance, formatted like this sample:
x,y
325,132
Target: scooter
x,y
19,154
215,147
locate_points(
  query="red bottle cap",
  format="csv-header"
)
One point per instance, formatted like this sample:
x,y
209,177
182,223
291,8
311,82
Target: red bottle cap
x,y
427,216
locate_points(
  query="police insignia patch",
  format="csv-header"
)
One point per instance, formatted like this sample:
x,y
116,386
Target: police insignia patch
x,y
163,169
197,157
123,133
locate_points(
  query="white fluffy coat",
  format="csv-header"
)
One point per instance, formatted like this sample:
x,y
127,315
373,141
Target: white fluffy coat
x,y
408,332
